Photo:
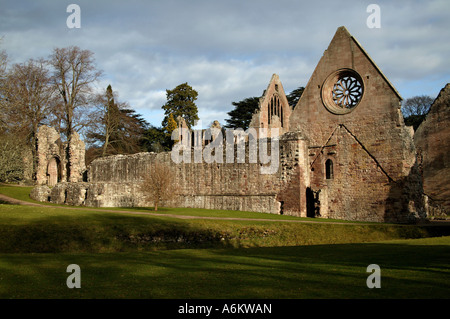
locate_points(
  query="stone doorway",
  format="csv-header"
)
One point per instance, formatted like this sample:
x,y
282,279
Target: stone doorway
x,y
312,203
53,171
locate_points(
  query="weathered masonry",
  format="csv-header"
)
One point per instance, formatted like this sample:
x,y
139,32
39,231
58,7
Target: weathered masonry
x,y
432,140
344,152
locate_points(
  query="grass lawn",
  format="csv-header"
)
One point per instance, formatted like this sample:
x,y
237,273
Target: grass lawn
x,y
125,255
409,269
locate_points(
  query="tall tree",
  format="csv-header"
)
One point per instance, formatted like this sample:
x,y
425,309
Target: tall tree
x,y
107,122
241,115
30,100
3,82
74,73
131,131
119,129
181,102
415,109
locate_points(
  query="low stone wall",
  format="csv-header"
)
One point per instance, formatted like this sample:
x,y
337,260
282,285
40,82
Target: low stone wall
x,y
115,181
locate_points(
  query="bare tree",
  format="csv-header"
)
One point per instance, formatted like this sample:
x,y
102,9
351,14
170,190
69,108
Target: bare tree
x,y
417,105
159,184
3,65
415,110
30,101
74,73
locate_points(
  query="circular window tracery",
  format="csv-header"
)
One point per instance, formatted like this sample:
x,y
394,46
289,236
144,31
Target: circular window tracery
x,y
342,91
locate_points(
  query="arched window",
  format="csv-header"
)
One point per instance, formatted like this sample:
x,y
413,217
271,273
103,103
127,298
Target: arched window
x,y
329,174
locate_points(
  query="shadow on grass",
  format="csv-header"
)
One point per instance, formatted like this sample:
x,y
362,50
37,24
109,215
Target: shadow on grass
x,y
30,230
322,271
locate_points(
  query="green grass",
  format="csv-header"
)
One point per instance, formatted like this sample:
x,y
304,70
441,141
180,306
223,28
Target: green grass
x,y
17,192
132,255
409,269
27,229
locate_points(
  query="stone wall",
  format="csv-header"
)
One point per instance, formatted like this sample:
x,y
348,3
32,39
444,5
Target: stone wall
x,y
432,140
114,181
371,149
58,161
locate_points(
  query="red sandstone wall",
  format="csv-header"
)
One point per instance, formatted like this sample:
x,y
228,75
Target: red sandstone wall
x,y
373,147
432,139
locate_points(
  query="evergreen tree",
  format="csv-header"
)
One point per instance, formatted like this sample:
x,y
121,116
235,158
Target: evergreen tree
x,y
171,125
294,96
119,130
156,140
181,102
242,114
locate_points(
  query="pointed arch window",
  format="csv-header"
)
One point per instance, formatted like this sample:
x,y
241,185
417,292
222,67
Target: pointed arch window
x,y
329,174
274,107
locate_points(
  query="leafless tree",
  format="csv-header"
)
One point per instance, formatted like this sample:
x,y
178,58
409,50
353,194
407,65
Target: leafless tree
x,y
160,184
3,65
29,101
74,74
417,105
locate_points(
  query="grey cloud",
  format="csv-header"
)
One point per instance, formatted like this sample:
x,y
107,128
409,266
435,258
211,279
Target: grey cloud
x,y
228,50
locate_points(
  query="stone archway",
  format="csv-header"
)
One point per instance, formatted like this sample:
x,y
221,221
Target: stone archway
x,y
53,171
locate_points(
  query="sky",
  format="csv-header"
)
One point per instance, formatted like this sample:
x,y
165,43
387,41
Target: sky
x,y
228,50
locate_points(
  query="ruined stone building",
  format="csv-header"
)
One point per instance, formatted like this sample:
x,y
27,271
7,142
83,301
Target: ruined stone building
x,y
343,152
58,161
433,146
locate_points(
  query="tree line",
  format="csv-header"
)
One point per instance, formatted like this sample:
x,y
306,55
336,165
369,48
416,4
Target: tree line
x,y
59,91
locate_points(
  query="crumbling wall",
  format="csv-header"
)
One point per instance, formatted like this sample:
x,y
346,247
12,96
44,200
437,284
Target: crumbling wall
x,y
371,149
114,181
53,164
432,140
50,148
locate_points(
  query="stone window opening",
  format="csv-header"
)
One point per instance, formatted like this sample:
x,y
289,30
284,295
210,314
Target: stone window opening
x,y
342,91
274,107
329,174
281,115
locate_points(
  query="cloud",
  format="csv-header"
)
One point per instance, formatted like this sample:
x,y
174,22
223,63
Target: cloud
x,y
228,50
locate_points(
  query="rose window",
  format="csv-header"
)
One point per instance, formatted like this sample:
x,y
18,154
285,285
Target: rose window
x,y
342,91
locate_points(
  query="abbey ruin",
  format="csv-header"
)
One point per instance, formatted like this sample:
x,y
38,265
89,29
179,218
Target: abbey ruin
x,y
343,152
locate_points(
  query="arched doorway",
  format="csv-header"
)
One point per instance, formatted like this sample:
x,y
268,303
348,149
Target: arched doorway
x,y
53,171
310,203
